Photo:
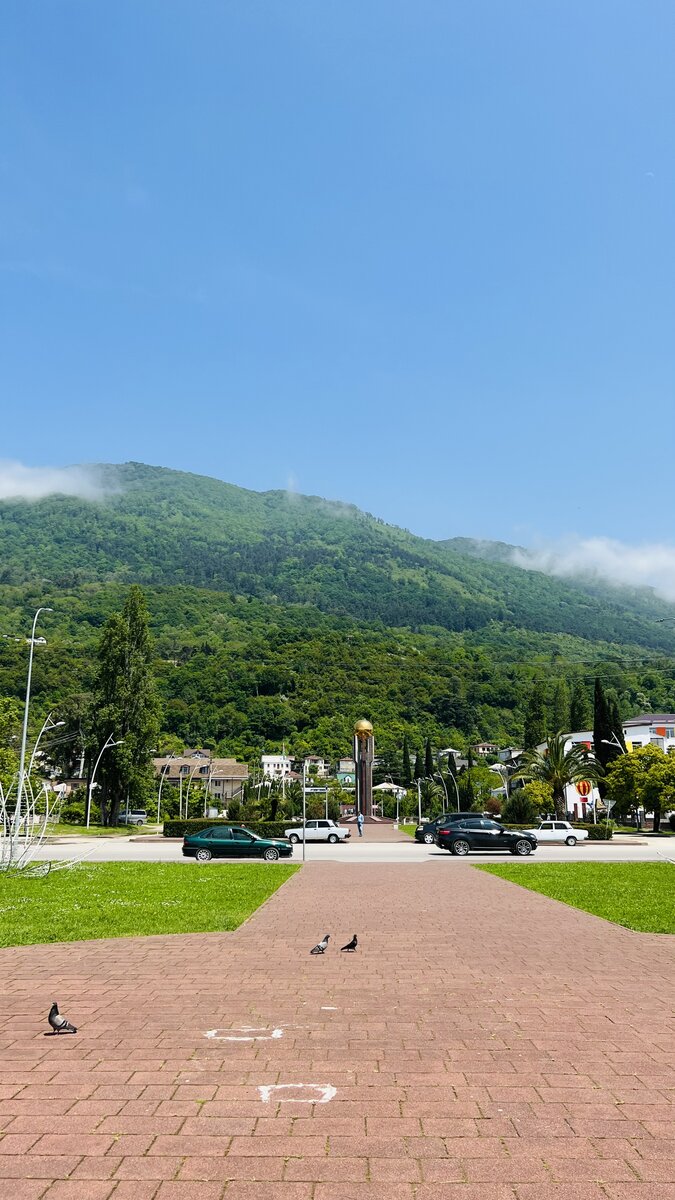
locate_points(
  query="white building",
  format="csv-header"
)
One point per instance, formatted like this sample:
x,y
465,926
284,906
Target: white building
x,y
317,765
276,766
650,729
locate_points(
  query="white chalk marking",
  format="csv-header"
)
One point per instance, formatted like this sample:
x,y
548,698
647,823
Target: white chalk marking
x,y
325,1091
328,1008
244,1033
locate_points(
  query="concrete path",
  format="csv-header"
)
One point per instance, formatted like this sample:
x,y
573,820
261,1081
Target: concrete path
x,y
484,1043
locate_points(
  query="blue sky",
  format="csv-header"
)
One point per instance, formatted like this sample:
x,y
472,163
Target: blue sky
x,y
417,256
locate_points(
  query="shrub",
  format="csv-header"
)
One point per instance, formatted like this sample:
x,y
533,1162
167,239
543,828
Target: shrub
x,y
265,829
523,808
671,821
602,832
72,814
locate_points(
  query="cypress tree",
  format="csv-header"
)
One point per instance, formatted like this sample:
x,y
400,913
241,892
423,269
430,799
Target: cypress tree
x,y
407,767
429,764
419,766
580,709
535,719
602,726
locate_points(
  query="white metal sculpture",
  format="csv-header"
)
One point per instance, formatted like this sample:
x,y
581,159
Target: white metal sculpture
x,y
24,826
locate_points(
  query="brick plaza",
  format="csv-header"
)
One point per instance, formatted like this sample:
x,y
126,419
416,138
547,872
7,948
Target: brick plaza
x,y
484,1043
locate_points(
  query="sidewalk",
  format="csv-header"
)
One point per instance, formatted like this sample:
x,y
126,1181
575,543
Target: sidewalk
x,y
484,1043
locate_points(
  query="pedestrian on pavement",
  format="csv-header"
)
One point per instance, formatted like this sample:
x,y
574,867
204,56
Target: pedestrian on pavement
x,y
359,823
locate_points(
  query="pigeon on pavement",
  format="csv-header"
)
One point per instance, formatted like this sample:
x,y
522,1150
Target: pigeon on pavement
x,y
321,946
351,945
58,1023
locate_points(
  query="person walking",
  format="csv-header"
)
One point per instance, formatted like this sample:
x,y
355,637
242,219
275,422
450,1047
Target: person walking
x,y
359,823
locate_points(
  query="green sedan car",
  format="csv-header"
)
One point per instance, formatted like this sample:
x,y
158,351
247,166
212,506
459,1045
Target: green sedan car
x,y
233,841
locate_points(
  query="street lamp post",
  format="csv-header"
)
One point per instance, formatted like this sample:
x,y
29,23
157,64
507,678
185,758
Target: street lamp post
x,y
193,772
438,775
162,777
451,774
24,734
109,744
46,728
304,805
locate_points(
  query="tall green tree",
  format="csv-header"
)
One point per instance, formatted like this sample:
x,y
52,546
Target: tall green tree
x,y
605,737
419,766
126,709
429,764
580,709
558,766
407,766
560,708
535,718
645,778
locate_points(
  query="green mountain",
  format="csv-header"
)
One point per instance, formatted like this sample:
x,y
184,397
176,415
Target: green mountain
x,y
284,616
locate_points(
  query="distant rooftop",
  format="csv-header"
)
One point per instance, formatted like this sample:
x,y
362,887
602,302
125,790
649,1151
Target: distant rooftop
x,y
652,719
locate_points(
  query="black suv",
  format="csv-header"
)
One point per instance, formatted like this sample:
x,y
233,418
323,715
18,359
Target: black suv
x,y
479,833
426,832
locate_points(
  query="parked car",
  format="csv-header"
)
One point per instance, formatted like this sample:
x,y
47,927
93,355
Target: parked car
x,y
233,841
318,831
137,817
559,831
479,833
426,832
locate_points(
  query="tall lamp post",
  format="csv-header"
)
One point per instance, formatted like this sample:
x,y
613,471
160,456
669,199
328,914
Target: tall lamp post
x,y
46,728
109,744
452,775
161,782
24,734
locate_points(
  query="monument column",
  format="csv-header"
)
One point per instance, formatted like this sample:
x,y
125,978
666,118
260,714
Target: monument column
x,y
364,752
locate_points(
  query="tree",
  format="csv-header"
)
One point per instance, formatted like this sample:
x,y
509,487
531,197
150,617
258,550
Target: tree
x,y
429,764
558,766
419,766
535,719
560,707
645,778
407,768
526,804
605,739
126,707
580,709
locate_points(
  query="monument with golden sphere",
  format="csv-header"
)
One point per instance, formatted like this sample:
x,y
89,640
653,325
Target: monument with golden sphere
x,y
364,753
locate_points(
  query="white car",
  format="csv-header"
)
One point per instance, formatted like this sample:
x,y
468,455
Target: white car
x,y
558,831
318,831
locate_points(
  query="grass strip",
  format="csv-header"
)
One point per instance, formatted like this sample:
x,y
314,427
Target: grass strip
x,y
111,900
639,896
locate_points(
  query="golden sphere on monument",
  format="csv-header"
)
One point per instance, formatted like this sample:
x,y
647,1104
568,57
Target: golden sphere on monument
x,y
363,729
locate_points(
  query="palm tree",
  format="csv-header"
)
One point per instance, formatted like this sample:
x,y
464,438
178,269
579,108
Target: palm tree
x,y
558,766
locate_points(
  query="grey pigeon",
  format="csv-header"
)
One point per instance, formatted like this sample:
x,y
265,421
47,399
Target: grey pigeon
x,y
321,946
58,1023
351,945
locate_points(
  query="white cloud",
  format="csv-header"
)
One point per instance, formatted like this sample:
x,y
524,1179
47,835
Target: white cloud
x,y
648,565
19,482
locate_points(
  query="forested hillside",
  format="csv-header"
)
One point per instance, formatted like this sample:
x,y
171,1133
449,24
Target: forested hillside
x,y
286,617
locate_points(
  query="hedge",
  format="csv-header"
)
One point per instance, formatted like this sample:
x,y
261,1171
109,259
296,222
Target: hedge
x,y
266,829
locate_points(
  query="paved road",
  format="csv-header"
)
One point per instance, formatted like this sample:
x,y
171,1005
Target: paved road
x,y
123,849
484,1043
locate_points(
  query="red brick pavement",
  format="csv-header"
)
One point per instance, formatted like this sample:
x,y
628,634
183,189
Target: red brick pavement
x,y
485,1043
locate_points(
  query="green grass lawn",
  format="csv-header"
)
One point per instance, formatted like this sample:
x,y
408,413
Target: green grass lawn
x,y
409,829
104,900
640,896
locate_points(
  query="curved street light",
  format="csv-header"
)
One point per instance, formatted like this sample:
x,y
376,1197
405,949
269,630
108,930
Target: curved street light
x,y
24,732
162,777
46,728
108,746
